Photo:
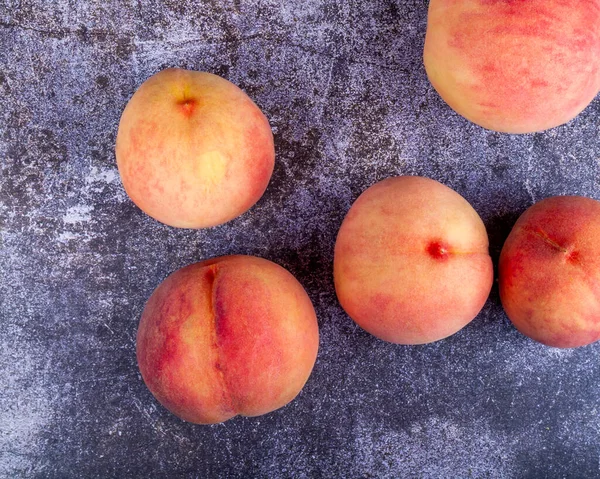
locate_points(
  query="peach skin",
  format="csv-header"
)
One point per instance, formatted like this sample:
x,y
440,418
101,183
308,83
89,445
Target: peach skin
x,y
549,272
411,262
193,150
517,66
235,335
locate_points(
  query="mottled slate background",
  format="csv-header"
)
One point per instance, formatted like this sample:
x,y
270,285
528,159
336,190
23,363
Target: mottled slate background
x,y
343,85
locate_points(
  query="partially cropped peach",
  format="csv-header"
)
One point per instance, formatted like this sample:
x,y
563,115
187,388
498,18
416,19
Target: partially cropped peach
x,y
514,66
193,150
549,272
411,261
235,335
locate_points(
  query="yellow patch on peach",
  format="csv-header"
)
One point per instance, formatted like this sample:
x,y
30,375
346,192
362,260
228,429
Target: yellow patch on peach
x,y
212,166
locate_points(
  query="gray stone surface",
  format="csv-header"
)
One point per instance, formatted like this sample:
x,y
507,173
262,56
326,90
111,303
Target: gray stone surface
x,y
343,85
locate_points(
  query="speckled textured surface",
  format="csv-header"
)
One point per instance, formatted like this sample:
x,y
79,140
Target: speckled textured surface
x,y
343,85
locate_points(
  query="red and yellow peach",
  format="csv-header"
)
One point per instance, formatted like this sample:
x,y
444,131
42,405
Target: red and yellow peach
x,y
514,66
235,335
549,272
193,150
411,262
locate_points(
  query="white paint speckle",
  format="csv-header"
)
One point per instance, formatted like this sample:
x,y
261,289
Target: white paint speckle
x,y
66,236
22,415
101,176
430,448
78,214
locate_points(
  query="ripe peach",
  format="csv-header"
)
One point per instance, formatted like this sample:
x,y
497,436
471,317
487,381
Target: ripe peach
x,y
411,262
193,150
232,335
514,66
549,272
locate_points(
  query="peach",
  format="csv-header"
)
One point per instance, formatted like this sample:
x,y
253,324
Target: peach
x,y
193,150
411,263
516,66
228,336
549,272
